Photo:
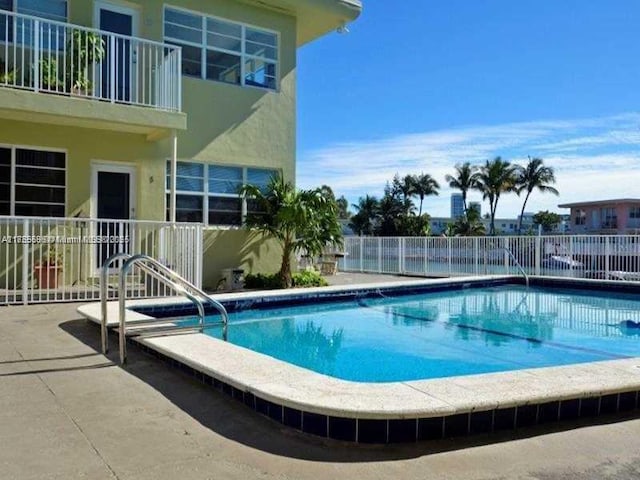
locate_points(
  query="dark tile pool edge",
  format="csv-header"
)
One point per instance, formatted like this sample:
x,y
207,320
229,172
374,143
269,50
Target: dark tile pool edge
x,y
408,430
345,293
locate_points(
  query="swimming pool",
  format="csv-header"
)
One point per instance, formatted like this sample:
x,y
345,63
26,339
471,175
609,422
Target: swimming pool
x,y
443,334
548,354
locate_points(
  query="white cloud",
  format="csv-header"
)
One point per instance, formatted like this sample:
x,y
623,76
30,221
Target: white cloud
x,y
594,159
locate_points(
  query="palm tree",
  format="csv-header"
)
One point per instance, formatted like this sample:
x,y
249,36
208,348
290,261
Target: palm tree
x,y
469,225
367,210
301,220
423,186
495,177
534,176
465,179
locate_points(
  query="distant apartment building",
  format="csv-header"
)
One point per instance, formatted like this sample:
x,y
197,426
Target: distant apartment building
x,y
457,205
615,216
504,226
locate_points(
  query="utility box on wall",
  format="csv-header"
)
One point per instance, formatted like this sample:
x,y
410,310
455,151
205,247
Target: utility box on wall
x,y
233,278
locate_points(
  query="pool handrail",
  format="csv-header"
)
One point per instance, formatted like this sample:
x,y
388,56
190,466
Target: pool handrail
x,y
182,287
161,273
515,260
104,273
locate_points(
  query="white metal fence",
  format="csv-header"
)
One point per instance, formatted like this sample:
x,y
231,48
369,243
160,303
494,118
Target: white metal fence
x,y
58,259
62,58
613,257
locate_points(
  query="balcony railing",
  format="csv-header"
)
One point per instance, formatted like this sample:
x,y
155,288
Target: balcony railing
x,y
61,58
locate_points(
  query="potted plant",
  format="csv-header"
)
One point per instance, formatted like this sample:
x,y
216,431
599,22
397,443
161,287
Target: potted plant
x,y
48,271
49,77
7,77
84,48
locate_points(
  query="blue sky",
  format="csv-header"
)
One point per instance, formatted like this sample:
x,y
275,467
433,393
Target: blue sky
x,y
418,85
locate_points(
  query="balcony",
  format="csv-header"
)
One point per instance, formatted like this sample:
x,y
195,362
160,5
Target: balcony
x,y
54,72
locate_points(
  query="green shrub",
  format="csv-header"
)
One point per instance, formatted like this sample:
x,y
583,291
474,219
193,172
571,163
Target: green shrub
x,y
304,279
308,278
262,281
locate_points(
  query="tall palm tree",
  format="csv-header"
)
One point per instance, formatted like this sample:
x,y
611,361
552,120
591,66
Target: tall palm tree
x,y
534,176
495,177
423,186
465,179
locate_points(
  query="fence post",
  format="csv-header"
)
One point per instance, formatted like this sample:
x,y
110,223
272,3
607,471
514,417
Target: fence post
x,y
112,68
449,252
199,261
571,257
361,254
607,252
25,264
506,256
424,254
538,255
400,255
37,51
476,255
379,255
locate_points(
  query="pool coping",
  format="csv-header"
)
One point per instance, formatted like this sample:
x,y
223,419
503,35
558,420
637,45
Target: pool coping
x,y
397,411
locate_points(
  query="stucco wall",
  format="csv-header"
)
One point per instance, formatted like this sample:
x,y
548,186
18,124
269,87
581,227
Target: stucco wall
x,y
229,124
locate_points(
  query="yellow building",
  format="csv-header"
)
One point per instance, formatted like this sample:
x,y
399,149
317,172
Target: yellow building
x,y
98,99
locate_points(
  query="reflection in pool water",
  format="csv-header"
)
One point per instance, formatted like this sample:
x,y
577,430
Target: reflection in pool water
x,y
443,334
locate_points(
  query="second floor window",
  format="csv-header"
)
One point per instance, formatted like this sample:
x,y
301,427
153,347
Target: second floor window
x,y
49,9
634,212
20,30
581,217
223,51
609,218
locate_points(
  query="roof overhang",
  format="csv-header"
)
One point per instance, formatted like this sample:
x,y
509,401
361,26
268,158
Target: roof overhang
x,y
315,18
597,203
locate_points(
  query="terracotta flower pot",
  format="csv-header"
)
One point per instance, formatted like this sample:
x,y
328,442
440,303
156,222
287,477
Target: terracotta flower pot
x,y
48,276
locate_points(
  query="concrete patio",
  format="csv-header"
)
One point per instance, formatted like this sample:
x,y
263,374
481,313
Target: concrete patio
x,y
69,412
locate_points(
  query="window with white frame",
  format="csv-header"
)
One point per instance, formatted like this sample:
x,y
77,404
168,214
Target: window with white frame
x,y
32,182
210,193
223,51
49,9
46,9
581,217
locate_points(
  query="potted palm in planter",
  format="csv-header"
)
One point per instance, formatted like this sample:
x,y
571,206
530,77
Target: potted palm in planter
x,y
84,48
48,271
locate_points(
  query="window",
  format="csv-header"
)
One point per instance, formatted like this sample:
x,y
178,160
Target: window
x,y
32,182
634,212
49,9
609,218
52,36
223,51
209,193
581,217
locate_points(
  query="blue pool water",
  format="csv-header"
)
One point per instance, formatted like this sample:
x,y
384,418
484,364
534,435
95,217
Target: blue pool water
x,y
443,334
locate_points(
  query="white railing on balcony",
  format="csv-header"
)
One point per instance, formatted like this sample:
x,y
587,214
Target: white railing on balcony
x,y
61,58
612,257
58,259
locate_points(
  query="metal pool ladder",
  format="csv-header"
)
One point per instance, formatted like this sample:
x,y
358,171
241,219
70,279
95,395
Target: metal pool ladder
x,y
155,326
515,260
